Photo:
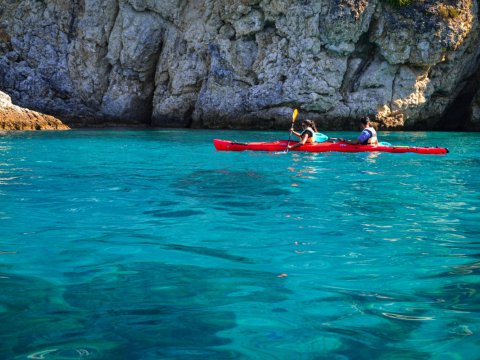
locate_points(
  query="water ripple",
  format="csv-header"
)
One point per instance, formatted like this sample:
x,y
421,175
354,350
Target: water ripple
x,y
192,253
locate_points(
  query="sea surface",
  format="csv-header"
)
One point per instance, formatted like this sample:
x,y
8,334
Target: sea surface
x,y
119,244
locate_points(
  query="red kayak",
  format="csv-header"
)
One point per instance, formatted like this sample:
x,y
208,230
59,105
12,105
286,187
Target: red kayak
x,y
281,145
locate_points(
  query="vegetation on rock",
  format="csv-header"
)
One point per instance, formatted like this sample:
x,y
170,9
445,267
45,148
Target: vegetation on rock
x,y
398,3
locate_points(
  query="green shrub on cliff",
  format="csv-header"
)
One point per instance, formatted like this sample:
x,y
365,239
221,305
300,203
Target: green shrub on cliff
x,y
398,3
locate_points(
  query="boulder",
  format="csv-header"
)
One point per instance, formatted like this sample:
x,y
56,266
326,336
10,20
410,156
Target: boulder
x,y
13,117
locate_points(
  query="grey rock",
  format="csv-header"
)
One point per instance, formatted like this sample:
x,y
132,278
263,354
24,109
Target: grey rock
x,y
476,110
241,64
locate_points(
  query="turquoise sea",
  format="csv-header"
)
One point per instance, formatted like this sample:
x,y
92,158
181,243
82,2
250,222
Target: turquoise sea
x,y
119,244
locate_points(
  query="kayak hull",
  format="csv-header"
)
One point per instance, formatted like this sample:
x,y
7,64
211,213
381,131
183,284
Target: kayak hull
x,y
281,145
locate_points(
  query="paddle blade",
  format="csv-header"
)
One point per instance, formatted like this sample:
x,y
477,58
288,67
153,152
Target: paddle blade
x,y
294,115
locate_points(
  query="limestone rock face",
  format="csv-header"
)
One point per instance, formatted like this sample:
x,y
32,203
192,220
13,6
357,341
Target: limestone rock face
x,y
242,63
476,111
13,117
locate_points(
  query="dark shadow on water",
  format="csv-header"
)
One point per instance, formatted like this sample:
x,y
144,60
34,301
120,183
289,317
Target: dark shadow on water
x,y
251,187
173,214
208,252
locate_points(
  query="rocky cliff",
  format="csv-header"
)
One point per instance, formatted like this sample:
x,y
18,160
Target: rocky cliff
x,y
244,63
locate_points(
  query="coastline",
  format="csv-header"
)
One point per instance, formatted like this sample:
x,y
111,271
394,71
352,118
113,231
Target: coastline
x,y
210,65
17,118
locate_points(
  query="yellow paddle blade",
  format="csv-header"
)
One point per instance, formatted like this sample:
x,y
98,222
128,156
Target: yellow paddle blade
x,y
294,115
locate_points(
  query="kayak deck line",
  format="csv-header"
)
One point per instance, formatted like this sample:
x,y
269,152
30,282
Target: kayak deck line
x,y
281,145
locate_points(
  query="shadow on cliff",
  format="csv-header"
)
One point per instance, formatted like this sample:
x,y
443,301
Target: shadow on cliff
x,y
458,115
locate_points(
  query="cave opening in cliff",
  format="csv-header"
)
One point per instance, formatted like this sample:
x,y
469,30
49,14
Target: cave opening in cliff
x,y
458,115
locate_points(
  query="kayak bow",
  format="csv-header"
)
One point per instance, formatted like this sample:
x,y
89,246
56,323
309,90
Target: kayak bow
x,y
279,145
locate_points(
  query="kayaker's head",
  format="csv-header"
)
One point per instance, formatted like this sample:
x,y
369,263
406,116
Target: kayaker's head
x,y
364,122
309,123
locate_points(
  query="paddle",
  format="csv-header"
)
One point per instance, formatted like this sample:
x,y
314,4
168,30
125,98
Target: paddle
x,y
294,117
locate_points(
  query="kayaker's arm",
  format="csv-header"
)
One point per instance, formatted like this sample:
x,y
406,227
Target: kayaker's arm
x,y
296,133
355,141
302,141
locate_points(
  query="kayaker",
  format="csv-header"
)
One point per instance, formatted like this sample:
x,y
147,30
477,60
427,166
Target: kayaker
x,y
368,136
308,134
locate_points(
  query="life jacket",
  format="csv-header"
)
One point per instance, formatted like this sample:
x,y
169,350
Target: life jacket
x,y
372,140
311,134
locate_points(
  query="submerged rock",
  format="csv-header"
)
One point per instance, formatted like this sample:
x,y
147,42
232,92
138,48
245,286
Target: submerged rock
x,y
243,64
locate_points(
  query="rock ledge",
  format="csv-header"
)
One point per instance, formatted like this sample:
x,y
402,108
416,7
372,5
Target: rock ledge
x,y
14,117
